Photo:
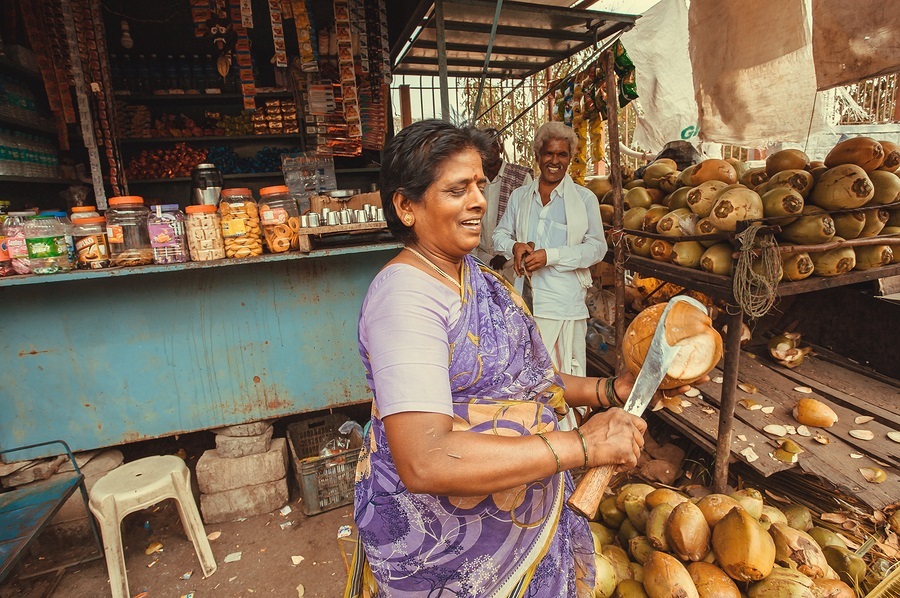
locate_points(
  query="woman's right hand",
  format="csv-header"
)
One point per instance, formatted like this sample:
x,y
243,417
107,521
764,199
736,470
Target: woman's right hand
x,y
614,437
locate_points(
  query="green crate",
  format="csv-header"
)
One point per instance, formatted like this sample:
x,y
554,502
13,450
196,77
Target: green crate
x,y
325,482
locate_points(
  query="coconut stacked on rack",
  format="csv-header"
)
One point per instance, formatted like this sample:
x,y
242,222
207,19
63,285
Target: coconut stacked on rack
x,y
689,217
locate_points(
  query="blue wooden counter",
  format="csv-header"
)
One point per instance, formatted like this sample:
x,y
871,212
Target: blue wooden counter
x,y
101,358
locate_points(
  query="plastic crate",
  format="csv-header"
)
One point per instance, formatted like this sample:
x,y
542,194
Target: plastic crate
x,y
325,482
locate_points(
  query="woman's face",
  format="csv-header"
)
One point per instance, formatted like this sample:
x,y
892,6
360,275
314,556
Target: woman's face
x,y
448,219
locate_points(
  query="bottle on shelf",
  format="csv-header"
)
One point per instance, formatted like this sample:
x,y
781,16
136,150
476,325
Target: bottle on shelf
x,y
171,73
5,260
211,75
142,72
198,77
128,74
184,73
14,228
45,238
156,73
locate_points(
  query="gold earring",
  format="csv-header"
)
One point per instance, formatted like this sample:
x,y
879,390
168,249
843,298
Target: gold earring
x,y
408,220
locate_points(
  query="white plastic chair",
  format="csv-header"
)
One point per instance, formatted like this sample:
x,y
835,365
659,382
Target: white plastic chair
x,y
138,485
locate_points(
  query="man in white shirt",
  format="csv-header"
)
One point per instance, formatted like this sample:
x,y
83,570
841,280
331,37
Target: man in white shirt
x,y
503,177
562,220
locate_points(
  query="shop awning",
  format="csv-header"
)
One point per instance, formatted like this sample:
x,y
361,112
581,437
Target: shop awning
x,y
530,37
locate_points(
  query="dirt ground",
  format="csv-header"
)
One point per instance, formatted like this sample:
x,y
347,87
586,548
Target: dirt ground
x,y
268,545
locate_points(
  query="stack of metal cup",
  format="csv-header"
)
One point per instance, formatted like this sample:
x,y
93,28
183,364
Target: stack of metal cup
x,y
328,217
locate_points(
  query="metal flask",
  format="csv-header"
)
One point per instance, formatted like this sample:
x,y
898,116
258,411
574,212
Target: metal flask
x,y
206,184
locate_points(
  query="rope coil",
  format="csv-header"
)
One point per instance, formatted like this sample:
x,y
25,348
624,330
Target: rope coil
x,y
755,288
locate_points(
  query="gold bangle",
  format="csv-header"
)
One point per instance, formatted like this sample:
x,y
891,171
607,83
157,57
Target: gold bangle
x,y
549,446
597,391
611,395
583,446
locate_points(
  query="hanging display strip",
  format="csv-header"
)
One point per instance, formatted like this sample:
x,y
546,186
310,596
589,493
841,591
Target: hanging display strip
x,y
52,29
347,68
286,12
106,105
243,58
276,18
84,109
200,14
358,29
303,26
31,17
246,14
385,44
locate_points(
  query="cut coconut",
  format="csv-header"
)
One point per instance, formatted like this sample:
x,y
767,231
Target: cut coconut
x,y
790,429
821,439
693,392
856,456
768,410
741,437
707,410
718,380
803,431
775,430
895,436
875,475
749,404
748,388
863,419
862,434
804,389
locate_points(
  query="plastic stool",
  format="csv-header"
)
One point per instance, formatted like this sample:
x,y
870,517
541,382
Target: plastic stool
x,y
138,485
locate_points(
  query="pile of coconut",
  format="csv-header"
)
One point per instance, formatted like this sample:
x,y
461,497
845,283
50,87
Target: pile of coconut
x,y
808,200
659,543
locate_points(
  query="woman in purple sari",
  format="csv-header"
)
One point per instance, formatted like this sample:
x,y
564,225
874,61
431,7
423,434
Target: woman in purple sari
x,y
463,478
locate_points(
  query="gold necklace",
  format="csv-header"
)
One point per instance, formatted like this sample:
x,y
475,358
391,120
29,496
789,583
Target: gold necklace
x,y
435,267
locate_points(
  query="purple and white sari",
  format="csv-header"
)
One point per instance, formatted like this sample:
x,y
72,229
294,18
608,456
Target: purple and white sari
x,y
516,543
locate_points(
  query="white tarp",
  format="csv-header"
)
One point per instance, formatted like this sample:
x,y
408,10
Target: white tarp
x,y
658,46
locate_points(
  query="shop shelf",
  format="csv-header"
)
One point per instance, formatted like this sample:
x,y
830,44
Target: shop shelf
x,y
230,138
35,127
36,179
8,66
139,98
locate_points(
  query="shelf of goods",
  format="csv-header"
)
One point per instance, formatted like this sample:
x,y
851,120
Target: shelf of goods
x,y
134,353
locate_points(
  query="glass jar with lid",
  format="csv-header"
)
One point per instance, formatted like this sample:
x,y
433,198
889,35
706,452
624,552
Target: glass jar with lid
x,y
167,234
240,223
204,233
90,243
45,237
15,241
280,218
127,233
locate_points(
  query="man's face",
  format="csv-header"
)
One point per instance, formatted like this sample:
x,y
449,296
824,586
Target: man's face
x,y
554,160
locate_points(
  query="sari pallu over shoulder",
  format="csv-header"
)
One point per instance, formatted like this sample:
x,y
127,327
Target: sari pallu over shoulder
x,y
505,544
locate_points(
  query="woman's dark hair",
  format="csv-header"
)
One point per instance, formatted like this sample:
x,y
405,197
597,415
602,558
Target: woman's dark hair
x,y
413,159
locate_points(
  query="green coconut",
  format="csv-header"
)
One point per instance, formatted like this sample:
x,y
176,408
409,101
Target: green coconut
x,y
670,182
664,496
656,526
712,582
743,549
864,152
639,548
850,568
637,197
891,156
705,227
798,550
715,506
875,221
677,199
665,577
610,514
813,227
753,177
842,188
825,537
633,217
800,181
661,250
626,532
637,512
685,177
717,259
606,213
798,516
796,266
783,583
654,214
786,159
893,231
619,559
639,245
735,205
634,184
656,171
887,188
751,499
687,533
769,513
687,253
701,198
872,256
848,225
605,580
782,203
630,588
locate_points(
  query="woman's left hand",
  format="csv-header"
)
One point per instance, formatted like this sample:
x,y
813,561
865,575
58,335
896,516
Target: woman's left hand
x,y
625,382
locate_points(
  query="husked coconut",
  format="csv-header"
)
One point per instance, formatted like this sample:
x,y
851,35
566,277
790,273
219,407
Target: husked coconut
x,y
864,152
661,250
873,256
687,253
784,203
687,328
843,187
813,227
754,177
677,223
848,225
653,216
811,412
887,187
833,262
735,205
718,259
701,198
796,266
786,159
875,221
891,156
800,181
713,169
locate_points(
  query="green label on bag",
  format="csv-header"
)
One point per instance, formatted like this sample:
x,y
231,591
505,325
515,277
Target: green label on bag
x,y
42,247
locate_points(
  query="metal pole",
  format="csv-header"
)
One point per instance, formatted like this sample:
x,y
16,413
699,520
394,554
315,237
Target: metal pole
x,y
442,58
726,407
615,179
487,61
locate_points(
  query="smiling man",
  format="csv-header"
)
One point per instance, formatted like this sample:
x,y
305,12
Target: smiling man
x,y
553,233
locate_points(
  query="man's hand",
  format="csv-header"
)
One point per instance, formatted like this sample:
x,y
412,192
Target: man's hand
x,y
520,252
498,261
535,260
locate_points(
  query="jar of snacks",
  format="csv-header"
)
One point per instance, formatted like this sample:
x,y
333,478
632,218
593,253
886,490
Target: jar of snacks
x,y
14,228
280,219
167,235
84,212
204,233
240,223
127,233
90,243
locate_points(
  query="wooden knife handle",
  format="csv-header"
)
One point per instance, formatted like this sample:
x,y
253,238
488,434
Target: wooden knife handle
x,y
589,493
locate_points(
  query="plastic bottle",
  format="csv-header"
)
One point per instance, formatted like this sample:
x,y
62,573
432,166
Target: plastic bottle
x,y
142,71
126,231
128,73
211,75
171,72
156,73
198,78
15,241
45,238
63,219
280,218
5,261
184,72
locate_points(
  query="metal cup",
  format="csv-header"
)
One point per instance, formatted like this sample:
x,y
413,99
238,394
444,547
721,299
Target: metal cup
x,y
379,215
325,212
345,216
333,219
362,216
304,221
313,218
